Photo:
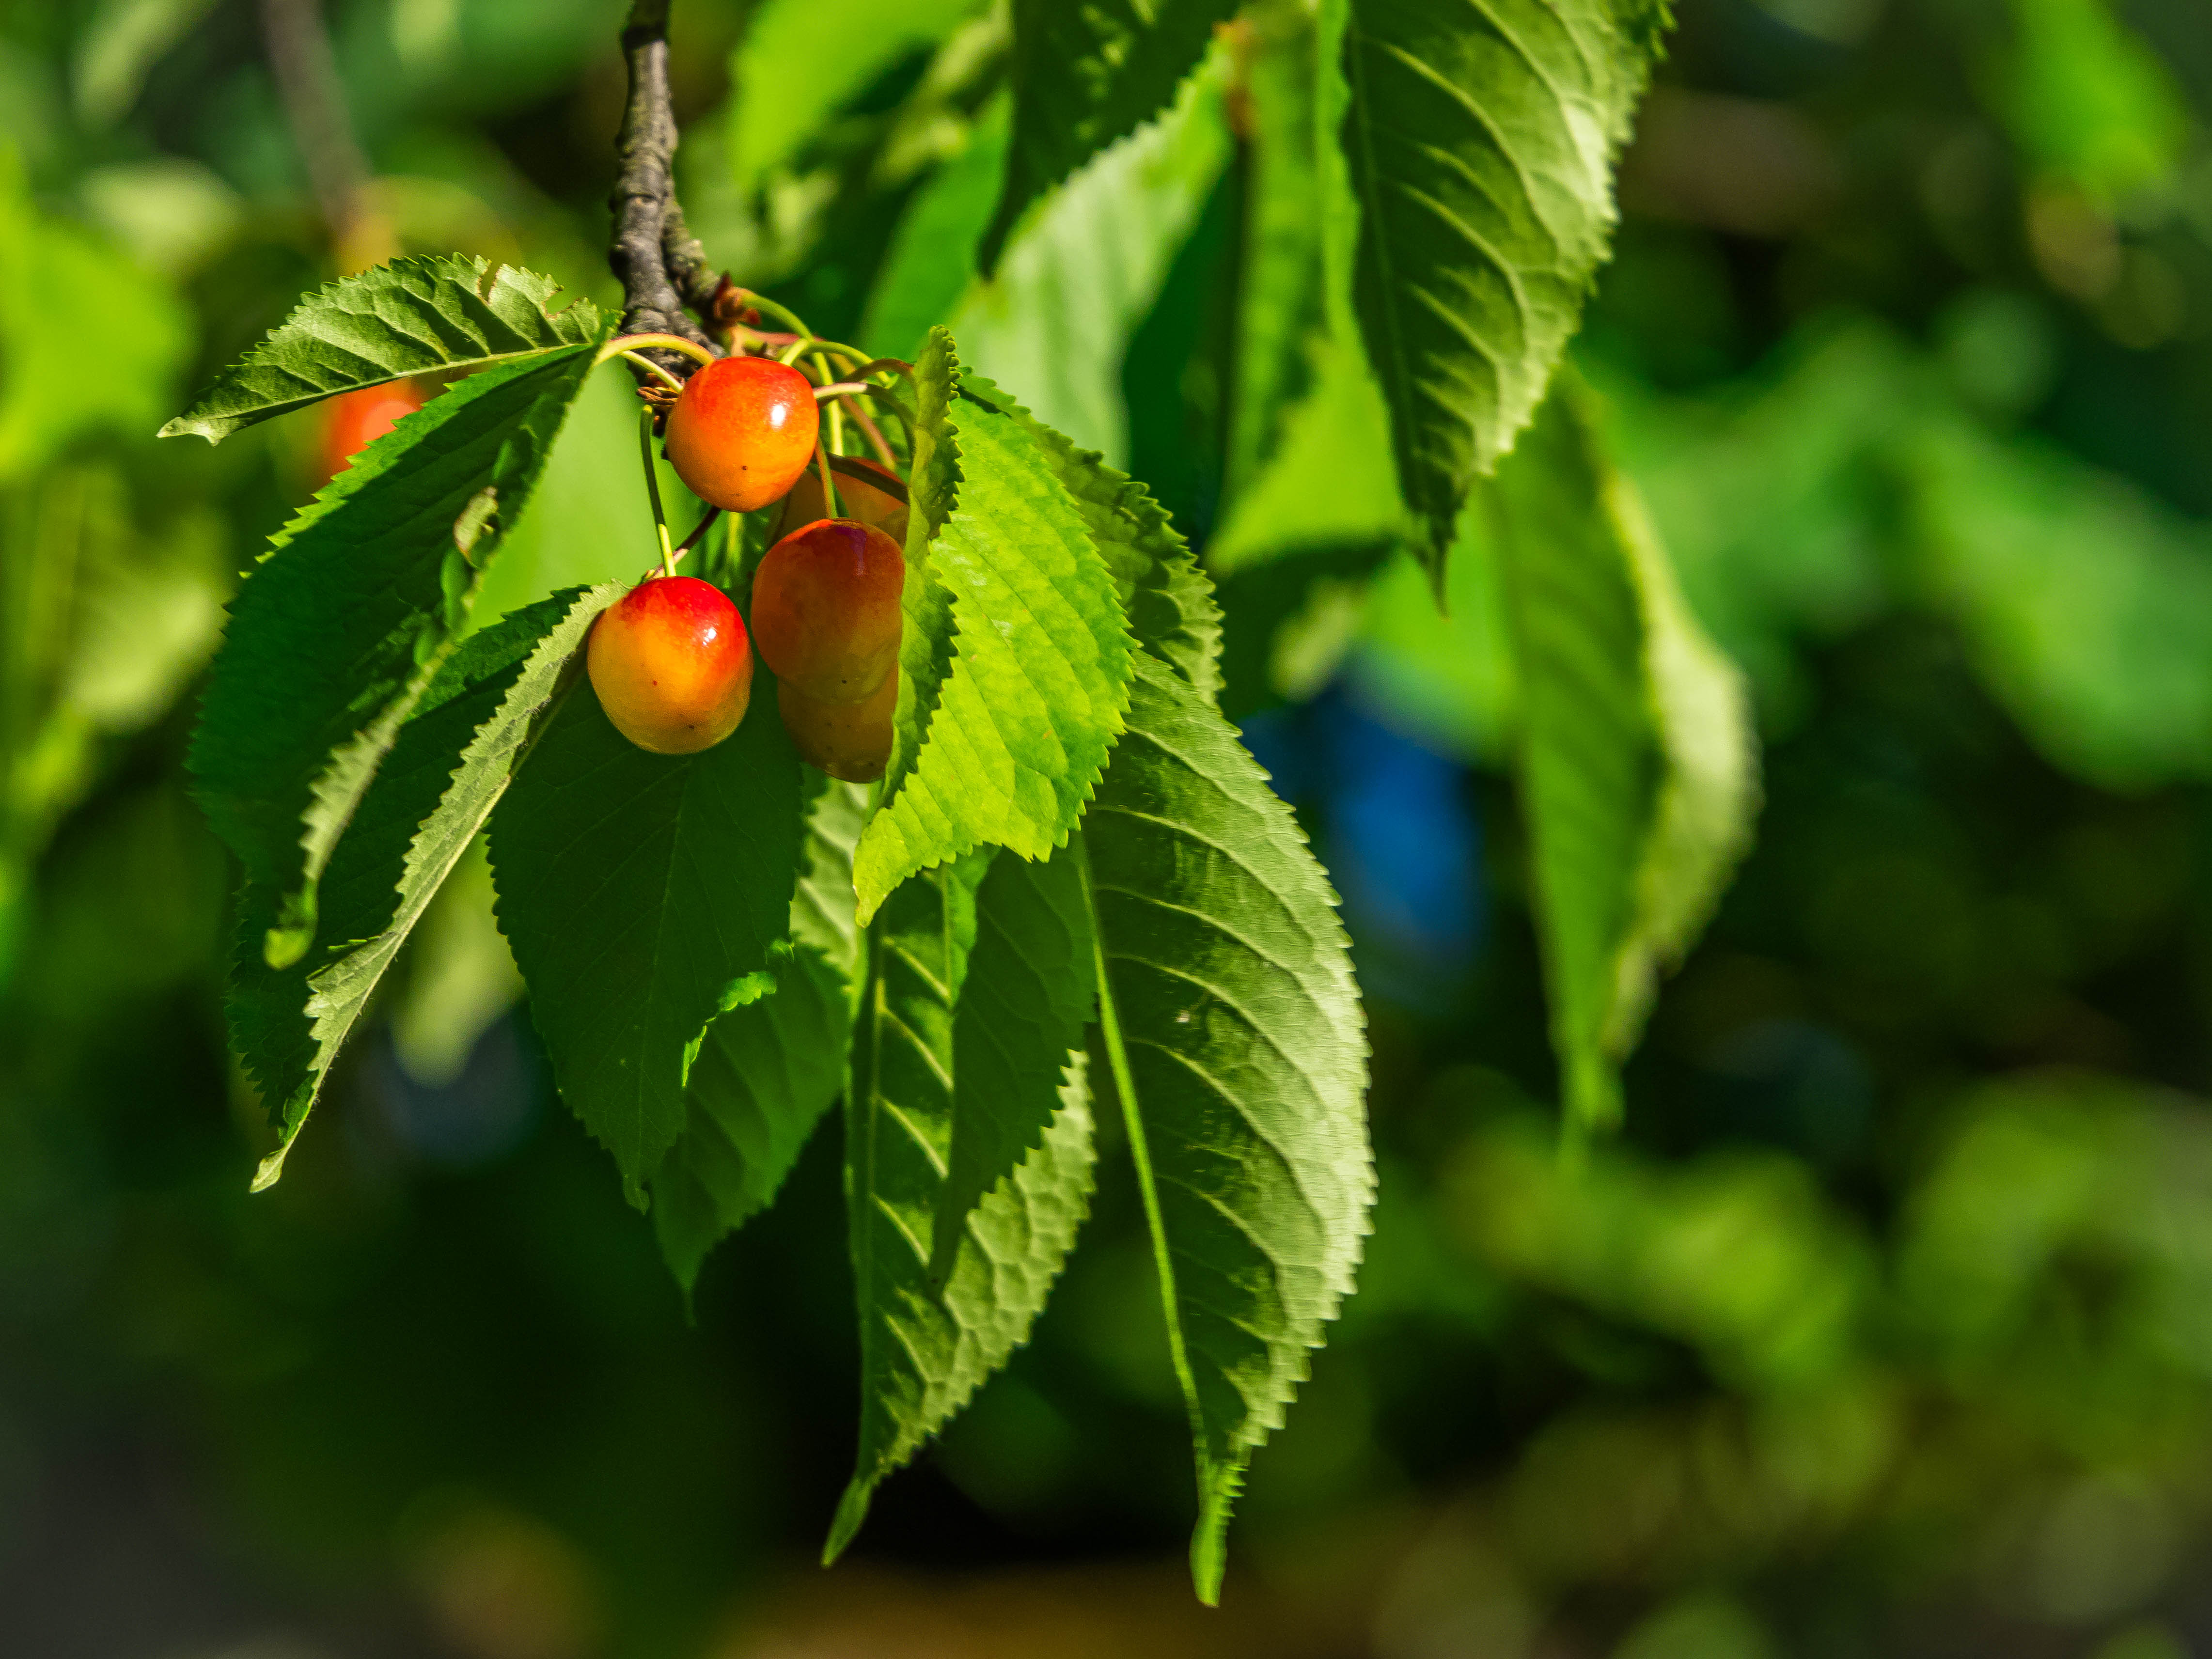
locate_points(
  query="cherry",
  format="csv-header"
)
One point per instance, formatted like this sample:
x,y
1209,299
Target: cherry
x,y
671,665
826,609
742,431
860,499
848,740
354,420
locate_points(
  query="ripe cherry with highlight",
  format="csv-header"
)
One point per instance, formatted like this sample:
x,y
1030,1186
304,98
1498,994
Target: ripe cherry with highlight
x,y
742,431
848,740
671,665
826,609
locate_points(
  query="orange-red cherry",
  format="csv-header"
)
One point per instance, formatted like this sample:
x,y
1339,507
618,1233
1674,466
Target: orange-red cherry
x,y
671,665
848,740
826,609
742,431
354,420
856,497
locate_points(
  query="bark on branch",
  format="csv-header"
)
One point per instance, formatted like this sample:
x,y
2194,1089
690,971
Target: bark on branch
x,y
661,266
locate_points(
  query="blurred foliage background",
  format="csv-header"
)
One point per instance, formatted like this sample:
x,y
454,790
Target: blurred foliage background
x,y
1884,1329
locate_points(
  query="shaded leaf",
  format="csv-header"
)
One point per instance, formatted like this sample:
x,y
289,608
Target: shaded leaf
x,y
1027,997
338,630
644,895
800,62
1235,1032
1481,136
1279,300
928,1339
1079,279
1085,75
1039,675
449,311
449,764
1635,751
768,1070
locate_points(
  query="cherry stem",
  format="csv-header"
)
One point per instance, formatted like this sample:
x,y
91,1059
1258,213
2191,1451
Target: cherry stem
x,y
874,434
762,302
623,344
648,363
829,490
653,490
697,531
792,353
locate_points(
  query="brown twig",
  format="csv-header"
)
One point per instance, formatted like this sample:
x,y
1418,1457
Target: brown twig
x,y
660,263
313,97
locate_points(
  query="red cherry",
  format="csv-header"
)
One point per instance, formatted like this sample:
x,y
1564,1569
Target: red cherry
x,y
848,740
826,609
354,420
859,498
671,665
743,431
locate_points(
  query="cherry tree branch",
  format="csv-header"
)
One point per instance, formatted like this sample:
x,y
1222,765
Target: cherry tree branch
x,y
661,266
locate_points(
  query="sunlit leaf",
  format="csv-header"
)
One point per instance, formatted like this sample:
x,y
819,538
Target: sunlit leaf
x,y
1039,671
1235,1035
1481,138
410,317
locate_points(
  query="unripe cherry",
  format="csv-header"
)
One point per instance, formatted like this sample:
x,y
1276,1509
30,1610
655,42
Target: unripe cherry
x,y
826,609
848,740
354,420
671,665
859,498
742,431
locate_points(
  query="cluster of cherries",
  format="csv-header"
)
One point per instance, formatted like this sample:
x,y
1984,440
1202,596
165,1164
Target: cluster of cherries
x,y
671,660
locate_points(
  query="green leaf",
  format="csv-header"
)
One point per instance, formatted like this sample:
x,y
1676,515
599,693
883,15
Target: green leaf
x,y
800,62
334,636
1080,278
926,644
1280,297
1028,996
1340,434
644,895
768,1070
1482,139
1636,752
1040,670
1085,75
928,1339
1167,599
932,256
449,764
1238,1049
449,311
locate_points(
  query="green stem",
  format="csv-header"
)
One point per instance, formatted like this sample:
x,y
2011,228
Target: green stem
x,y
796,323
653,491
647,364
627,343
829,490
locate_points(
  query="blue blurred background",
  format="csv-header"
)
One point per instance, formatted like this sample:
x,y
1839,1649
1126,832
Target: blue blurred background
x,y
1885,1328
